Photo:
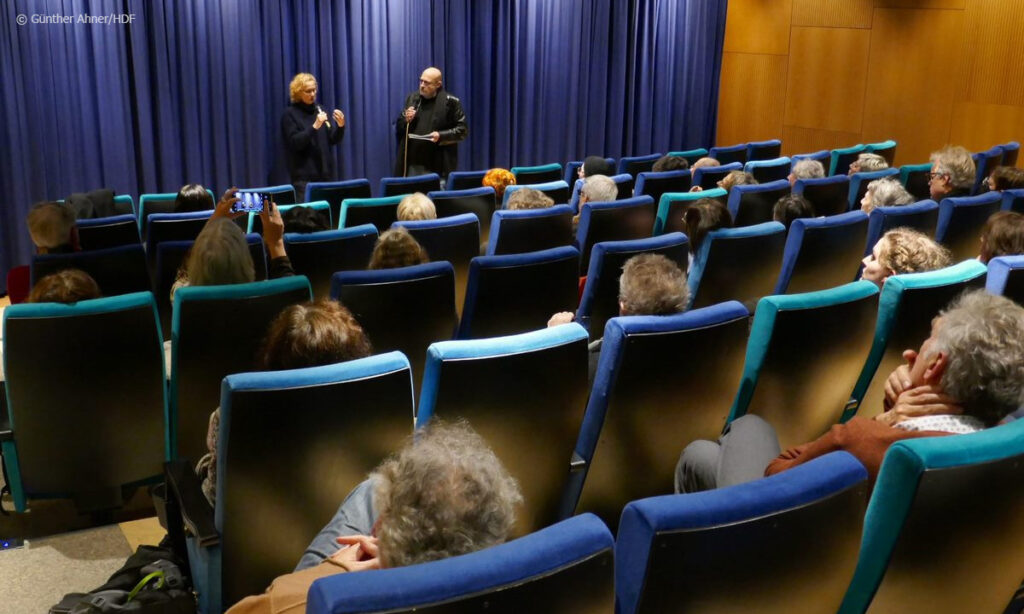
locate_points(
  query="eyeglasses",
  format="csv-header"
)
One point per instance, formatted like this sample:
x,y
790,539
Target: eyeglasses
x,y
933,176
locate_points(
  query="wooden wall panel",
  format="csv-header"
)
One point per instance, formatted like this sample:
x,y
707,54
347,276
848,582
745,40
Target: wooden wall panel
x,y
991,46
758,26
796,140
751,98
828,69
833,13
979,126
910,80
920,4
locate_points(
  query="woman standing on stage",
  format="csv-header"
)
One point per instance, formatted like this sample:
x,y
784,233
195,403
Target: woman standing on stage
x,y
309,134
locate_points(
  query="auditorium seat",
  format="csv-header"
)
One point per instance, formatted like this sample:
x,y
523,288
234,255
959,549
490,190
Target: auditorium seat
x,y
729,154
280,194
525,394
529,230
922,215
635,165
859,184
216,331
984,163
516,293
381,212
117,270
623,181
886,149
465,180
828,195
159,203
764,150
822,252
906,307
618,220
1006,277
766,171
823,156
564,568
558,191
174,227
707,177
572,169
1010,151
334,192
661,382
691,155
840,159
319,255
478,201
323,209
85,386
669,217
755,204
805,352
600,298
943,529
170,256
737,264
1013,200
291,445
404,309
399,186
753,547
455,239
529,175
915,178
961,221
655,184
104,232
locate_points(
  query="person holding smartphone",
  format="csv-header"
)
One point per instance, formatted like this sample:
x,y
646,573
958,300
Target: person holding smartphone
x,y
308,134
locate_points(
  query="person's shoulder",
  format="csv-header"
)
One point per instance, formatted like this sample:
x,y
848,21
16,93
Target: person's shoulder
x,y
452,97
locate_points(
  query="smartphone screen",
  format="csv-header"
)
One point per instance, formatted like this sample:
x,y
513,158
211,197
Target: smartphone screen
x,y
248,201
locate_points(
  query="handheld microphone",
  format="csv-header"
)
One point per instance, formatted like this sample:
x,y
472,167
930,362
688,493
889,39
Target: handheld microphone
x,y
320,110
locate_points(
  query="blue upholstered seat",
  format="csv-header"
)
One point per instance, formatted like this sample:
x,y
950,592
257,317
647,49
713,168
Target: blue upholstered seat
x,y
321,207
915,178
922,215
805,352
319,255
763,150
707,177
159,203
529,175
558,191
730,154
283,194
691,155
824,156
620,220
634,165
840,159
162,227
984,163
564,568
754,204
1010,151
381,212
828,195
624,181
117,270
398,186
478,201
104,232
1013,200
465,180
669,216
1006,277
886,149
655,184
783,543
737,264
334,192
859,184
822,252
773,169
529,230
961,221
572,169
455,239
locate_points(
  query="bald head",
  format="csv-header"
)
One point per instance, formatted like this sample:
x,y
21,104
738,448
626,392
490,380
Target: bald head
x,y
430,82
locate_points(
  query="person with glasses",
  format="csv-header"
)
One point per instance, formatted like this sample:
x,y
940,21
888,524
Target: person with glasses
x,y
952,173
429,129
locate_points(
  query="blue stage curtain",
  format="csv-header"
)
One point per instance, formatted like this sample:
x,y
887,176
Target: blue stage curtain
x,y
193,91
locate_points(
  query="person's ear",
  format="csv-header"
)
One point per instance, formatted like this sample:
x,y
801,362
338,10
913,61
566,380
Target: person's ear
x,y
622,309
937,364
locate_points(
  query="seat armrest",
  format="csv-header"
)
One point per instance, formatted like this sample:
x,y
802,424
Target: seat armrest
x,y
183,487
577,463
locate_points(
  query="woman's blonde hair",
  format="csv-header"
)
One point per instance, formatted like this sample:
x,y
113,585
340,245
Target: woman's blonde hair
x,y
298,83
416,206
904,250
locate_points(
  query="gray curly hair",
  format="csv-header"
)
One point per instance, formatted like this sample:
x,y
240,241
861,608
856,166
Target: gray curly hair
x,y
983,337
955,162
808,169
443,494
599,189
888,192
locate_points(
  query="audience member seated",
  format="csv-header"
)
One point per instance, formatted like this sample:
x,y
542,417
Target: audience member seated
x,y
67,286
53,228
885,192
706,161
309,334
595,165
444,494
650,285
596,189
806,169
953,173
416,207
700,218
397,248
499,179
903,250
192,197
528,198
731,178
967,376
868,162
670,163
791,207
1003,235
1006,178
304,220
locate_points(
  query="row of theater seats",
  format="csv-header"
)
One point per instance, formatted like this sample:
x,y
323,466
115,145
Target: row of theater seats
x,y
662,382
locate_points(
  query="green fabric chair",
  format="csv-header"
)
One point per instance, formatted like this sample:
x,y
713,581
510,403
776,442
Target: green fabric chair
x,y
381,212
669,217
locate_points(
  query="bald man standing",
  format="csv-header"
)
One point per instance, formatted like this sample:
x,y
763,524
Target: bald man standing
x,y
429,129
